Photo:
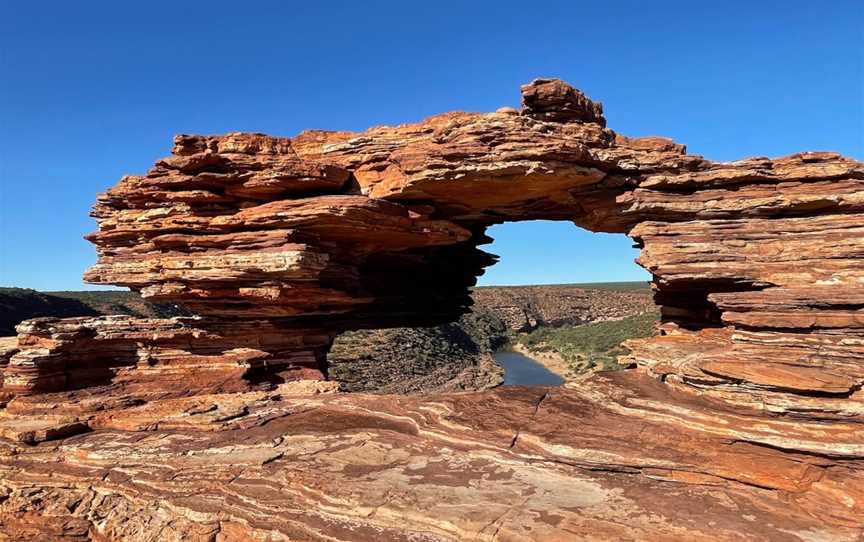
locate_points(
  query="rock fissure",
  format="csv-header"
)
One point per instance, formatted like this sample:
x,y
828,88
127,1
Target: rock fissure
x,y
531,419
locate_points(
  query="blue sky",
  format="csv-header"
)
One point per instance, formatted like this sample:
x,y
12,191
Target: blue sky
x,y
93,90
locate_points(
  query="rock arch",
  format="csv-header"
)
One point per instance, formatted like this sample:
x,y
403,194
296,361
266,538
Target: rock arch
x,y
344,230
280,243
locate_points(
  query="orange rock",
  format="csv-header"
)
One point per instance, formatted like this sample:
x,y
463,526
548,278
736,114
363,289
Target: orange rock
x,y
742,420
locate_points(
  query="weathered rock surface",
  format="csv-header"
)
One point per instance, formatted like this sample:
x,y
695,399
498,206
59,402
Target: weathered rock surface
x,y
180,355
592,463
743,420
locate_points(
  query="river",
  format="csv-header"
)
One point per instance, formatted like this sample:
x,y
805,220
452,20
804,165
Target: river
x,y
521,370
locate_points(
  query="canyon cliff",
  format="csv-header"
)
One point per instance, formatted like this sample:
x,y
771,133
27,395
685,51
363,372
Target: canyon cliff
x,y
525,308
742,420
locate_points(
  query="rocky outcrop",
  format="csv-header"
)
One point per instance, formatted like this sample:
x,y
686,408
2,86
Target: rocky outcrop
x,y
742,420
591,463
343,231
177,355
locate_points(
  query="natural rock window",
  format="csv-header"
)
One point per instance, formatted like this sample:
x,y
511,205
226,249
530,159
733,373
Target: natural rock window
x,y
743,415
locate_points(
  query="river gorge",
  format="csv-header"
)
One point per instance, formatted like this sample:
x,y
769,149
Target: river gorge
x,y
520,370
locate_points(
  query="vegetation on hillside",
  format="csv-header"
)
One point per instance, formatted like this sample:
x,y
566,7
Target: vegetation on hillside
x,y
419,359
593,346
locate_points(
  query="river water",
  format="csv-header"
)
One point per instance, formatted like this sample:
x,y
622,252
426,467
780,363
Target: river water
x,y
521,370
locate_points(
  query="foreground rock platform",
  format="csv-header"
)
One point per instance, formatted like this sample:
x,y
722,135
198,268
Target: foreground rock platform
x,y
741,420
510,464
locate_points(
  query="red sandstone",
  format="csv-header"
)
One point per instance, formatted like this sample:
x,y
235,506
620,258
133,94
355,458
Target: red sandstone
x,y
741,421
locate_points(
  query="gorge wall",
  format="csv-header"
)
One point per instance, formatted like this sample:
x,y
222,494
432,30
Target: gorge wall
x,y
749,403
525,308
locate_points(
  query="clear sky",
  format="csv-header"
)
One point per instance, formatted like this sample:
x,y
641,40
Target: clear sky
x,y
93,90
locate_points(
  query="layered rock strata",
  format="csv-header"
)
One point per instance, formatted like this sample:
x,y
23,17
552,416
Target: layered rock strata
x,y
621,457
346,230
185,355
747,407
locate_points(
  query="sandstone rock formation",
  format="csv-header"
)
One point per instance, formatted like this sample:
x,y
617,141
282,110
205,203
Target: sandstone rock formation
x,y
743,420
510,464
72,353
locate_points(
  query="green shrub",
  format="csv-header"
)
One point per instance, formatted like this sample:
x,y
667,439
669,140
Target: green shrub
x,y
591,346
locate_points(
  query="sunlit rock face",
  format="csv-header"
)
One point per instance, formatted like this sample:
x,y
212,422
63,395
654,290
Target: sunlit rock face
x,y
741,420
352,230
176,355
